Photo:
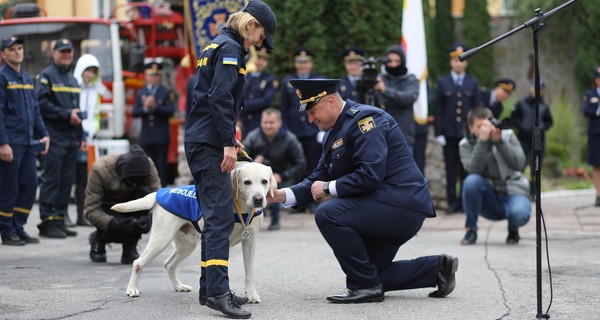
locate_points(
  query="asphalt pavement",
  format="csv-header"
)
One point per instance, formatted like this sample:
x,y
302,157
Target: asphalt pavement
x,y
296,270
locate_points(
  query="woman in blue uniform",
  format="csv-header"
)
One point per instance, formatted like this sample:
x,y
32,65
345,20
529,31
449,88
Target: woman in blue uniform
x,y
591,109
211,147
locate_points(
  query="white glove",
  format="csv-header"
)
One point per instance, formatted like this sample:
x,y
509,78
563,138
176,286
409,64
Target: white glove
x,y
441,140
320,136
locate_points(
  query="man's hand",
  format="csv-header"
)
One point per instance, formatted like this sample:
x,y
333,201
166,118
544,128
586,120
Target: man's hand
x,y
229,159
277,177
259,159
279,196
46,141
74,119
6,153
317,190
485,130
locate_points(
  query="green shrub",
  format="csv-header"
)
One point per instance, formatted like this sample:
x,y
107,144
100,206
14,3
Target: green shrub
x,y
566,137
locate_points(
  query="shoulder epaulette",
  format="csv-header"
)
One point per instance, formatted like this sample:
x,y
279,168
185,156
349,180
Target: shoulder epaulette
x,y
352,111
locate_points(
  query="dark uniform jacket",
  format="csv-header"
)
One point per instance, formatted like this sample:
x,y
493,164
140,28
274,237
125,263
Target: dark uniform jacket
x,y
260,91
347,89
400,95
296,121
366,154
522,117
20,119
155,123
284,154
57,94
496,106
591,109
219,91
452,103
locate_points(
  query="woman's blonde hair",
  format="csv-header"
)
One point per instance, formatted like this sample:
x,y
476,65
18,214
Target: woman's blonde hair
x,y
239,22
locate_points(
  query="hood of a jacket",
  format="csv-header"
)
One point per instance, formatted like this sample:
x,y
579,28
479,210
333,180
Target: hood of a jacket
x,y
84,62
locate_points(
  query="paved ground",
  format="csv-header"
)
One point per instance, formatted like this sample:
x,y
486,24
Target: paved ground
x,y
296,271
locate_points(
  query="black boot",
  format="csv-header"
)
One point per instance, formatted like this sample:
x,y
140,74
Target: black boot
x,y
68,222
227,305
130,253
97,248
51,229
62,225
237,299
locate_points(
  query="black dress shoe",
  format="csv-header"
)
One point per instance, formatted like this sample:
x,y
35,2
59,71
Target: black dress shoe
x,y
29,240
51,229
446,280
237,299
359,296
62,226
13,240
227,305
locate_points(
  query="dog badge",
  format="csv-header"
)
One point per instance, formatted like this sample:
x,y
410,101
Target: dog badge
x,y
246,233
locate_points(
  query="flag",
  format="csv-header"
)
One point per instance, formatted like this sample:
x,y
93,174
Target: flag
x,y
413,41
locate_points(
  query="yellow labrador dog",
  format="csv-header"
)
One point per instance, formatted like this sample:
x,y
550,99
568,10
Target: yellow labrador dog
x,y
250,182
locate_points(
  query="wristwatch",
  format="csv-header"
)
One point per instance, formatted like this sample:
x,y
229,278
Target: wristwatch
x,y
326,188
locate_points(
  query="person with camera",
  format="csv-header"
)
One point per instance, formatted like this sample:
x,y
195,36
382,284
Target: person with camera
x,y
397,90
353,58
495,187
119,178
57,93
493,98
457,92
154,105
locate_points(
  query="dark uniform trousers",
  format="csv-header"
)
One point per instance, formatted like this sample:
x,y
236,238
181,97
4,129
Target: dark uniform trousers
x,y
214,197
347,223
453,168
20,184
158,154
55,189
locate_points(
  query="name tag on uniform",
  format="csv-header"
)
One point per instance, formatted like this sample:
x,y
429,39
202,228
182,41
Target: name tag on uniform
x,y
594,99
337,143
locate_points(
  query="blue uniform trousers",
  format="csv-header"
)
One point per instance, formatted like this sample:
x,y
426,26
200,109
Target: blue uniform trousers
x,y
365,236
158,154
214,192
57,180
454,168
17,190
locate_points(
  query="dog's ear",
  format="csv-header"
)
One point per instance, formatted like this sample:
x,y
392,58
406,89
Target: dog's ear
x,y
273,184
235,182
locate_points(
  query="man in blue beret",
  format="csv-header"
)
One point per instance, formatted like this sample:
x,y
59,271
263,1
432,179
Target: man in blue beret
x,y
373,197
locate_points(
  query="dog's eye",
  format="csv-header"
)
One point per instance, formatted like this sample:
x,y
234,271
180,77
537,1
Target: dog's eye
x,y
247,182
265,182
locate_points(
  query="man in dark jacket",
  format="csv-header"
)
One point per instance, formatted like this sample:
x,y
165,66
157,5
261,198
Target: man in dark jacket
x,y
274,146
261,87
115,179
493,98
57,93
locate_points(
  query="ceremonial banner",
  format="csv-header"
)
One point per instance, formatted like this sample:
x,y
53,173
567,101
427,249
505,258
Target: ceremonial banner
x,y
413,41
204,20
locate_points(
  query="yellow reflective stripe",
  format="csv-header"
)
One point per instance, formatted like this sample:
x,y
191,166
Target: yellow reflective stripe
x,y
6,214
21,210
211,46
51,218
214,262
243,71
66,89
20,86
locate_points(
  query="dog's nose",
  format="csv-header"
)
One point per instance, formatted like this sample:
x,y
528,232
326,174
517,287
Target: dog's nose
x,y
258,201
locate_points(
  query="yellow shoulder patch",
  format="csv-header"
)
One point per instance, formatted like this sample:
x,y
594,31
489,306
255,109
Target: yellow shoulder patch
x,y
367,124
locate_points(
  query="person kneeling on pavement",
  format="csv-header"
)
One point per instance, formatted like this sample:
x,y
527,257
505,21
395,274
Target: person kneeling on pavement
x,y
495,187
115,179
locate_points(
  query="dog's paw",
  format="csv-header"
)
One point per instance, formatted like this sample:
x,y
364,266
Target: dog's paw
x,y
253,297
133,292
183,288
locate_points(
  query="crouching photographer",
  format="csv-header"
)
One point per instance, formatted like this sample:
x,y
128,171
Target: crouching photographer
x,y
115,179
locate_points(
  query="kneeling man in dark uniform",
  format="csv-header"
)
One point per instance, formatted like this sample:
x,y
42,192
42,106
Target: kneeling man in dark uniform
x,y
374,197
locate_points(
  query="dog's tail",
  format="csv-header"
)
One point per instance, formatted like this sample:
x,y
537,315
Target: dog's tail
x,y
145,203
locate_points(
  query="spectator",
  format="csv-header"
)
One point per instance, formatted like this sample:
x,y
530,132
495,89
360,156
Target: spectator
x,y
114,179
261,87
154,104
591,109
21,126
457,92
379,198
58,95
87,73
353,57
495,188
274,146
493,99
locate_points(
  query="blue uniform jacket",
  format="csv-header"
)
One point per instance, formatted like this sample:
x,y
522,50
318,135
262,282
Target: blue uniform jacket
x,y
591,109
496,107
260,91
20,119
347,90
367,154
219,84
155,123
296,121
452,104
57,93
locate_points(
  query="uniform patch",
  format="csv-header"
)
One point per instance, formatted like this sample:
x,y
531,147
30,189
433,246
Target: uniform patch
x,y
594,99
337,143
367,124
230,61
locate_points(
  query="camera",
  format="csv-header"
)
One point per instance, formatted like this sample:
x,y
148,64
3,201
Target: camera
x,y
500,124
365,85
82,115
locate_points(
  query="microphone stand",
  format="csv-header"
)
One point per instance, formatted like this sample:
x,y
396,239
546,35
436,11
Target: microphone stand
x,y
536,23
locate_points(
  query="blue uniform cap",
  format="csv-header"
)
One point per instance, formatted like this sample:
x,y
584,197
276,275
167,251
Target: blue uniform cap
x,y
352,54
506,84
9,41
457,48
63,44
310,91
263,13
